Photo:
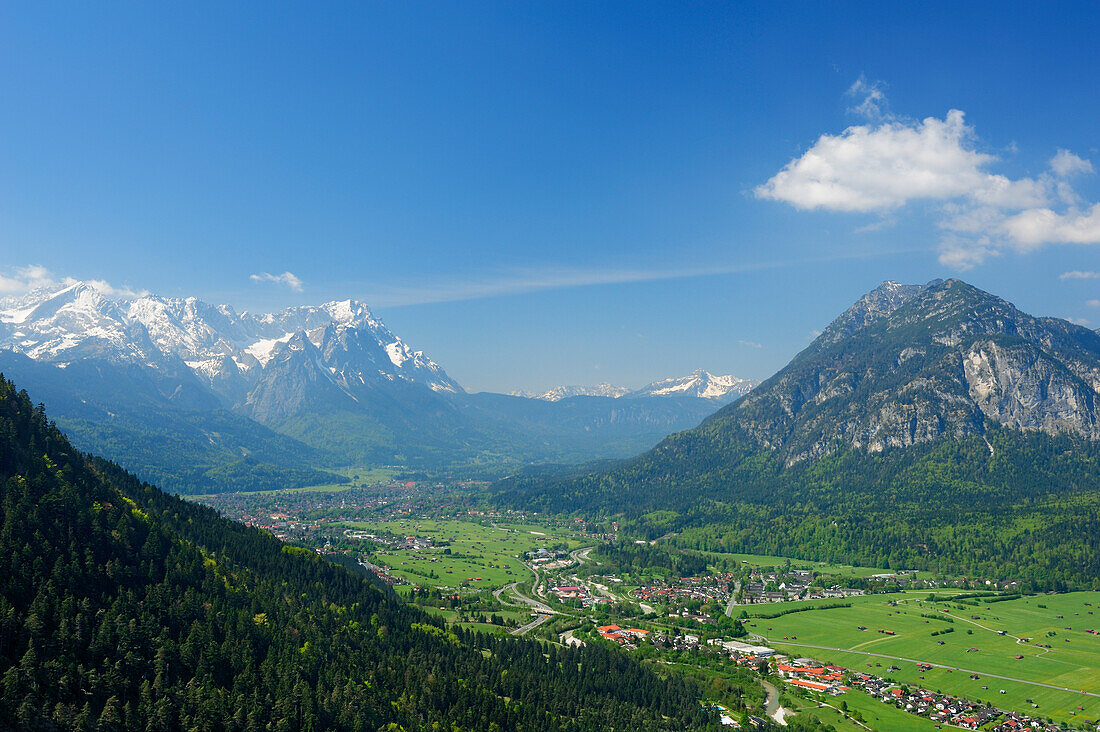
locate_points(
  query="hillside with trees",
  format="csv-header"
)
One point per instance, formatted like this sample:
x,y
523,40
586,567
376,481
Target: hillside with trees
x,y
124,608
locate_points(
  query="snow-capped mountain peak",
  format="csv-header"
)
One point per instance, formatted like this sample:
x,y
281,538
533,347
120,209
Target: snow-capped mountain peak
x,y
564,392
349,312
214,342
699,383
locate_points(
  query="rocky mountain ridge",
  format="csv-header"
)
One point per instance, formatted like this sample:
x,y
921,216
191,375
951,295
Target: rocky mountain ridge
x,y
228,351
700,384
909,364
201,397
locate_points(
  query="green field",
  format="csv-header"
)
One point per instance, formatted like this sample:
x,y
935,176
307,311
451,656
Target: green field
x,y
840,571
453,617
1072,662
872,712
357,478
481,556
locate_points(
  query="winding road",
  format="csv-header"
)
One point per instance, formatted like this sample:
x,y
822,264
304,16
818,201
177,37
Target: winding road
x,y
545,611
537,605
532,625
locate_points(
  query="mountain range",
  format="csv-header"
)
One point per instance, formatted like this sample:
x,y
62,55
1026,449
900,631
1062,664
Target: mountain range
x,y
202,398
922,413
699,383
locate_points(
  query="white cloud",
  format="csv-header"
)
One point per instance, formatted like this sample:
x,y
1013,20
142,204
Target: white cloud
x,y
1078,321
1079,275
1038,226
750,344
962,253
23,279
286,278
872,99
879,168
1093,303
1065,164
20,280
891,163
111,291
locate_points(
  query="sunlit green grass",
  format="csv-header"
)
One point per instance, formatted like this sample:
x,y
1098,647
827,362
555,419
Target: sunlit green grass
x,y
1073,662
765,561
481,556
873,713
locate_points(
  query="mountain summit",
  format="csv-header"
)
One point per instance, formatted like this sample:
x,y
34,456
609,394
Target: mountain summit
x,y
227,351
699,384
922,414
912,364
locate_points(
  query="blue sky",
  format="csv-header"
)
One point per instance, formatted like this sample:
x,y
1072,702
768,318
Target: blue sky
x,y
557,193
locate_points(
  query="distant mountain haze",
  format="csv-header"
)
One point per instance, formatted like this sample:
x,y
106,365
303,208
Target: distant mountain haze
x,y
202,398
698,383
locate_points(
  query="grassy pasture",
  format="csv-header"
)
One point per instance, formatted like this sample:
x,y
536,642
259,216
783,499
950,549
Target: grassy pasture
x,y
481,556
357,478
840,571
1073,661
874,714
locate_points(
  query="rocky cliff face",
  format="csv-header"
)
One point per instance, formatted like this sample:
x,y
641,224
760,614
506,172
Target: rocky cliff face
x,y
911,364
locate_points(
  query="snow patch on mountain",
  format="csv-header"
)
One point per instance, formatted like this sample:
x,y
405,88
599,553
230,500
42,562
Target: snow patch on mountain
x,y
262,349
699,383
77,321
564,392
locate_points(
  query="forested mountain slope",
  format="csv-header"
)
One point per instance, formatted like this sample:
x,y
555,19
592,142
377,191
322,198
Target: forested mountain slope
x,y
123,608
929,426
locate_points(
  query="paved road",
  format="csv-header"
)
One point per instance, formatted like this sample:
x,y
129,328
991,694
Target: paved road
x,y
580,556
537,587
733,599
538,605
940,665
532,625
498,591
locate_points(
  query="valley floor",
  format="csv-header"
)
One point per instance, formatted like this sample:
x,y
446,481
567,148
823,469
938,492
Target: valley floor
x,y
569,580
